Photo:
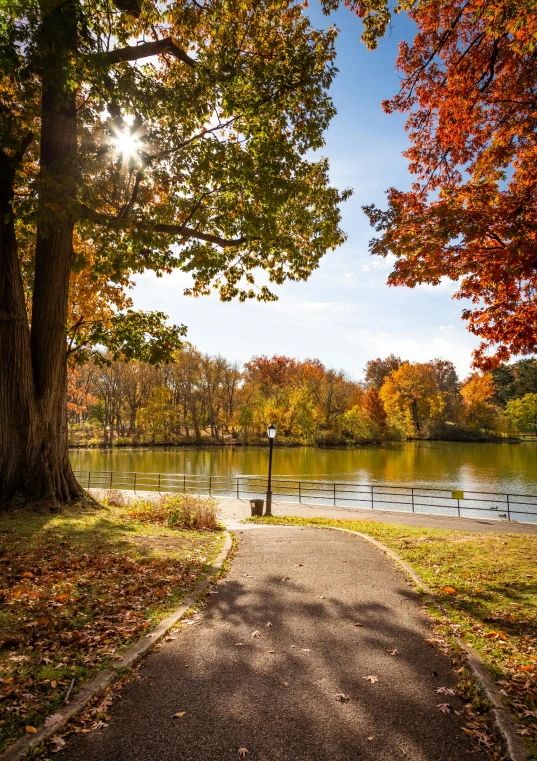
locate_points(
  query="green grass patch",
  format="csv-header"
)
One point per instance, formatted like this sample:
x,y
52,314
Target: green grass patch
x,y
487,584
78,587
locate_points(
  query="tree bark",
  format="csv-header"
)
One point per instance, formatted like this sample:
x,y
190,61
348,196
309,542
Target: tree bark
x,y
34,460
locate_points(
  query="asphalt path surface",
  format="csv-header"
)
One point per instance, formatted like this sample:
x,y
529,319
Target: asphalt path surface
x,y
276,664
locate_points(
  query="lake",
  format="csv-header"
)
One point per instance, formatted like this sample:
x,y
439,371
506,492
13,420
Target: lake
x,y
499,467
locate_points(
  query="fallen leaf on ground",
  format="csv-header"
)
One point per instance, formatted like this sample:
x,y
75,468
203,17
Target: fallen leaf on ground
x,y
357,624
55,718
243,752
285,578
58,743
445,691
267,626
393,652
342,697
444,707
239,644
450,590
272,651
256,634
371,679
285,684
306,650
179,715
31,730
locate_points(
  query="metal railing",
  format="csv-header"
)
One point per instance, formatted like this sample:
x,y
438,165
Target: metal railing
x,y
415,499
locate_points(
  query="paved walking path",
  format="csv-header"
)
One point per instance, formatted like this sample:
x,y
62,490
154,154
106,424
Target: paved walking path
x,y
234,510
262,665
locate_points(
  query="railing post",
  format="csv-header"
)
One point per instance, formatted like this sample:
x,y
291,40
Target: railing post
x,y
159,483
334,495
111,477
184,482
458,507
134,483
210,485
412,490
89,478
299,493
508,508
372,496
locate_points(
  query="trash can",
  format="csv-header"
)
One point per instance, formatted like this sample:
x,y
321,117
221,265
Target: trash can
x,y
256,506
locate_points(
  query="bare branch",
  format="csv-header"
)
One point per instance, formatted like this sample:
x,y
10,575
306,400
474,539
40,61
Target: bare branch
x,y
147,49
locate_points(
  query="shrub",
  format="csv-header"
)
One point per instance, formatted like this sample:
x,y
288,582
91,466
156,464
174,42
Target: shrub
x,y
176,511
115,498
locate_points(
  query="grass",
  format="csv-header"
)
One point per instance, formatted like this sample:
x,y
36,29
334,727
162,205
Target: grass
x,y
78,587
487,584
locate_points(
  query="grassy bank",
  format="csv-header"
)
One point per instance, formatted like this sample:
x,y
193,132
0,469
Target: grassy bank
x,y
487,583
77,588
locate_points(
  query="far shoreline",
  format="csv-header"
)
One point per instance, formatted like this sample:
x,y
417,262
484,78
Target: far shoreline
x,y
292,445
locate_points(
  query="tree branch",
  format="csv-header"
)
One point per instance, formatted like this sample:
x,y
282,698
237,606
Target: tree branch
x,y
182,231
147,49
187,232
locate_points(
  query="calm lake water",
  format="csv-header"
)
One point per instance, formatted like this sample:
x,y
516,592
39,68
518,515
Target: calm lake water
x,y
495,467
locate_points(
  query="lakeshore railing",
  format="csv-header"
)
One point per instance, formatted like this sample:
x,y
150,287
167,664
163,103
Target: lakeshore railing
x,y
375,496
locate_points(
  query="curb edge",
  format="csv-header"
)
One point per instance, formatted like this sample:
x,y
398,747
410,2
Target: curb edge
x,y
502,717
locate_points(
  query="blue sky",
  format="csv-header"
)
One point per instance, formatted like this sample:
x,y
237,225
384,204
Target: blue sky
x,y
344,314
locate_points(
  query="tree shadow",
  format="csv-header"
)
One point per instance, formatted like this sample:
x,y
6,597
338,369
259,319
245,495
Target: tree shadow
x,y
300,689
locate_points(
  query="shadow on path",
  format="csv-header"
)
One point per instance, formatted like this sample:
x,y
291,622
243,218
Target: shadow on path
x,y
275,693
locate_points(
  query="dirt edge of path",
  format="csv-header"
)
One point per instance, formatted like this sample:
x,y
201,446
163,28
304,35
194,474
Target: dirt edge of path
x,y
130,658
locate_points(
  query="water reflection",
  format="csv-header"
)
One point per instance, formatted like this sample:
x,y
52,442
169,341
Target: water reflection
x,y
499,467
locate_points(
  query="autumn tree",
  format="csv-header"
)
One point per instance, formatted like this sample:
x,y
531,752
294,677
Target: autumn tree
x,y
477,392
377,370
411,396
374,409
166,135
468,87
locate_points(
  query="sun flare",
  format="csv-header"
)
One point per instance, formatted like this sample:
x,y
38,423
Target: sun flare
x,y
126,143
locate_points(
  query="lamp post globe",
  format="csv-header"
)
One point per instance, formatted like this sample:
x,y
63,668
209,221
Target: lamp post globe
x,y
271,434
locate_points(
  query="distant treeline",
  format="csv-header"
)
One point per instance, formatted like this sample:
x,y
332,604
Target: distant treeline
x,y
207,399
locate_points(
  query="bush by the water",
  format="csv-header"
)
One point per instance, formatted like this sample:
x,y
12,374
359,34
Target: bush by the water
x,y
176,511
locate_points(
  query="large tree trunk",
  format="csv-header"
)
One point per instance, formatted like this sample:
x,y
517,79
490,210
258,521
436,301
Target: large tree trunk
x,y
34,461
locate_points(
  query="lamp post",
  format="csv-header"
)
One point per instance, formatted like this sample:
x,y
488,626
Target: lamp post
x,y
271,433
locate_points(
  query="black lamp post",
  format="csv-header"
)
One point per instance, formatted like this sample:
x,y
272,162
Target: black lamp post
x,y
271,433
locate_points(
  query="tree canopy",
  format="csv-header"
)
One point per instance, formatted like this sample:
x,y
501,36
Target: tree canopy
x,y
142,135
468,86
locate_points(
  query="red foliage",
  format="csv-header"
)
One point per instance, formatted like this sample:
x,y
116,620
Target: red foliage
x,y
469,84
270,372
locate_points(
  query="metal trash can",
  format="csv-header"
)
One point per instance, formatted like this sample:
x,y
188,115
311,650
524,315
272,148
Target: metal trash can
x,y
256,506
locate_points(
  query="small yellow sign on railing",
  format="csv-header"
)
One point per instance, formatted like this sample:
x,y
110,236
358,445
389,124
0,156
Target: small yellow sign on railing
x,y
457,495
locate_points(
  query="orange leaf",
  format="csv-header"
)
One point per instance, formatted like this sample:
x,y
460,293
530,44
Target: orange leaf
x,y
31,730
450,590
